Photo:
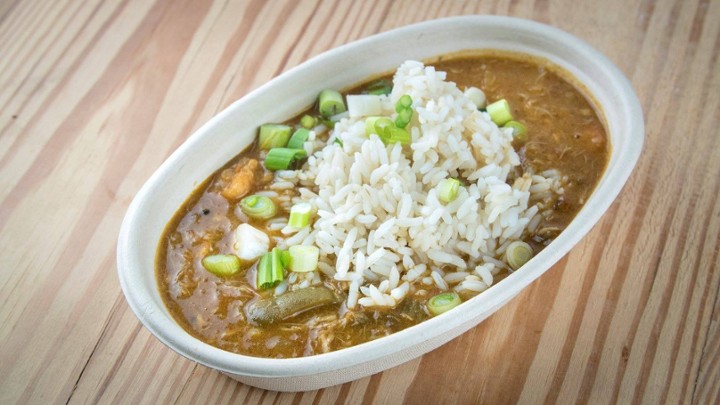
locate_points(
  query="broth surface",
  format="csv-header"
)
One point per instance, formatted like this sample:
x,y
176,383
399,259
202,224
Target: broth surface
x,y
564,131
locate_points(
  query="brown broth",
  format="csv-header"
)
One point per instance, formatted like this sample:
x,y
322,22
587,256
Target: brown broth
x,y
565,133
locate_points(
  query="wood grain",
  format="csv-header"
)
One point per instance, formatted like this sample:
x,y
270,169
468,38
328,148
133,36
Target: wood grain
x,y
95,94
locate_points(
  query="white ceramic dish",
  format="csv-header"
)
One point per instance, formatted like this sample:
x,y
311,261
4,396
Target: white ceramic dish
x,y
234,128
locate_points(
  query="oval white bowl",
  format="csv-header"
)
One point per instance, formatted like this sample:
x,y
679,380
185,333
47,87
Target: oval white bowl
x,y
233,129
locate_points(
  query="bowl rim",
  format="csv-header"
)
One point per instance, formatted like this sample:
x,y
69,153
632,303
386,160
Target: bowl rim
x,y
493,297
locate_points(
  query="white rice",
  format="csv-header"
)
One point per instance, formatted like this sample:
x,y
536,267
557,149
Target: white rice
x,y
380,225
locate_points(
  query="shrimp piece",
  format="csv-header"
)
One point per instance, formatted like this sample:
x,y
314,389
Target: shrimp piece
x,y
243,181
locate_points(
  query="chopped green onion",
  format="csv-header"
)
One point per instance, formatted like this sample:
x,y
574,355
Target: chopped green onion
x,y
298,138
443,303
370,125
383,128
273,136
403,103
379,87
448,190
363,105
380,126
500,112
222,265
403,118
258,207
518,253
307,121
285,258
386,130
330,103
338,141
300,215
399,135
326,122
303,258
277,263
519,130
282,158
380,91
270,269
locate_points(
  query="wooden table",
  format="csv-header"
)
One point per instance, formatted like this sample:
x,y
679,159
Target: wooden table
x,y
95,94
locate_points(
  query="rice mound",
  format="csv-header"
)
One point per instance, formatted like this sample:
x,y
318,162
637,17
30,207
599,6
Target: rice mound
x,y
379,223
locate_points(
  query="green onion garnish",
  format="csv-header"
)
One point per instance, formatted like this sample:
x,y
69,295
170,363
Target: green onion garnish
x,y
300,215
386,130
270,269
258,207
330,103
380,126
303,258
298,138
338,141
448,190
519,130
273,136
404,109
399,135
443,303
403,118
500,112
222,265
518,253
307,121
379,87
403,103
285,258
282,158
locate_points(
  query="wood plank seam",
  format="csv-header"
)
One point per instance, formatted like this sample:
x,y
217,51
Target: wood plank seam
x,y
118,301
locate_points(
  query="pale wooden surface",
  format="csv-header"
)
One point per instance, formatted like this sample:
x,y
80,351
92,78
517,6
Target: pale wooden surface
x,y
95,94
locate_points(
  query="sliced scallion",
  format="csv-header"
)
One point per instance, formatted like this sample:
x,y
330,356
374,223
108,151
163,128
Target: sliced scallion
x,y
500,112
363,105
298,138
443,303
403,118
448,190
258,207
283,158
330,103
383,128
370,125
380,91
518,253
221,265
270,269
285,258
379,87
303,258
399,135
519,130
308,121
403,103
300,215
273,136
